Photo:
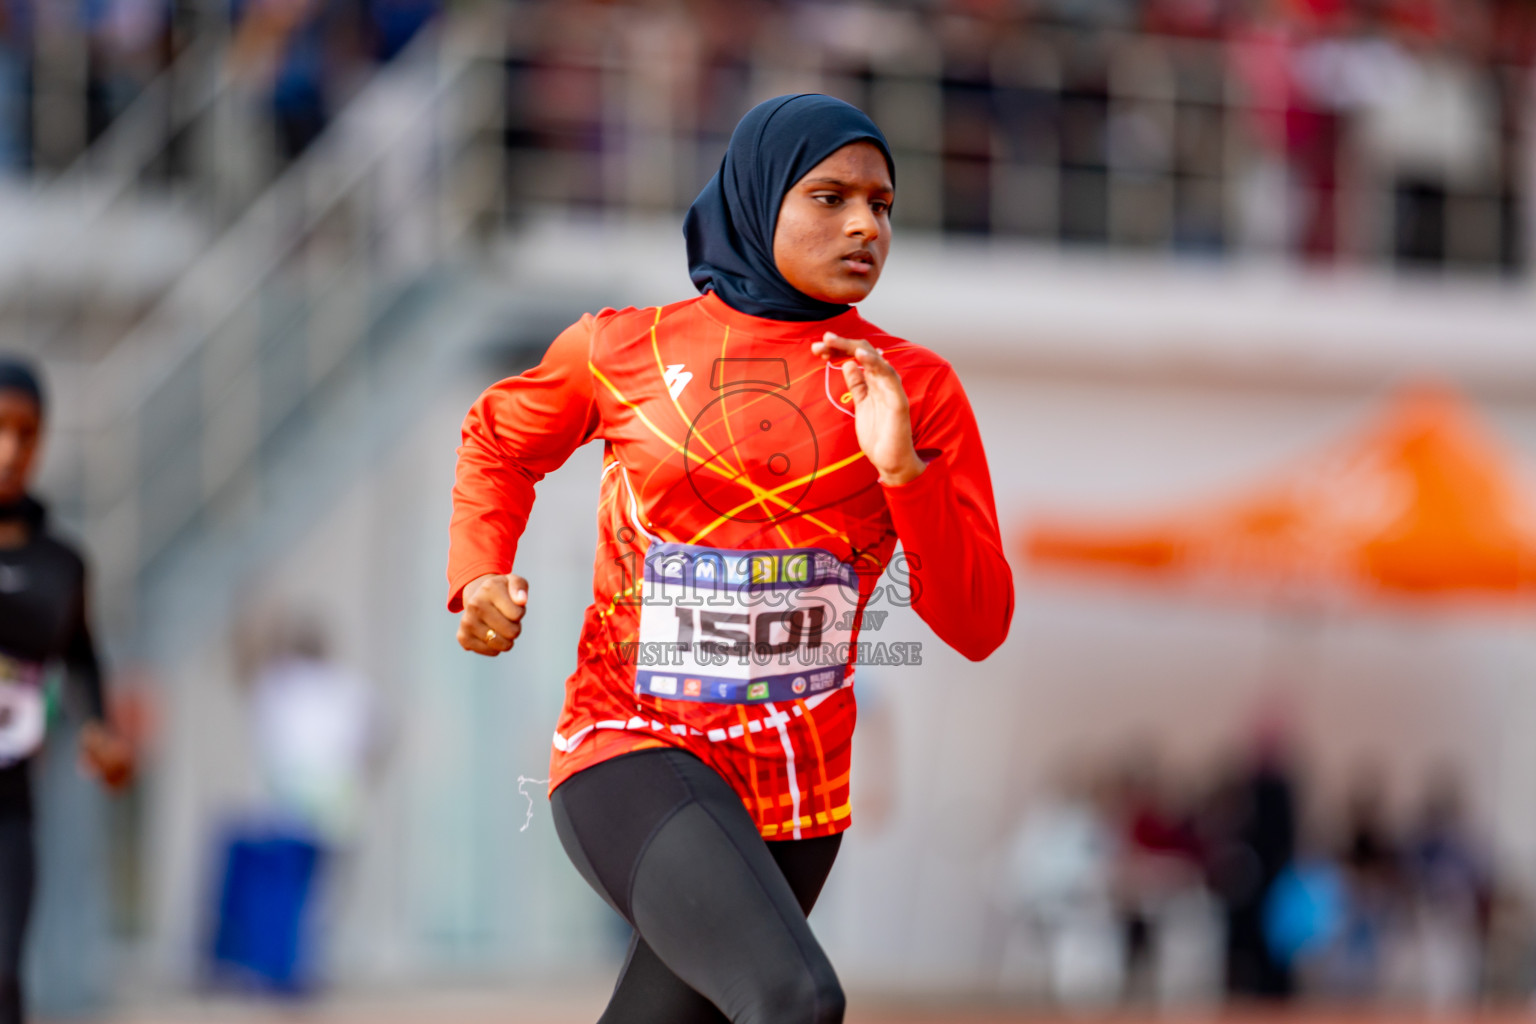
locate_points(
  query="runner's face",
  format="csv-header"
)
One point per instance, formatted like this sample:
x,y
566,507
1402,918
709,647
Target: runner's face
x,y
834,226
20,425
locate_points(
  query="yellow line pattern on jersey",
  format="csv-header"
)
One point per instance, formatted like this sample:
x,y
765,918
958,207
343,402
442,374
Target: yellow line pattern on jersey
x,y
806,820
725,417
624,401
821,789
764,397
636,585
662,369
772,495
706,531
741,468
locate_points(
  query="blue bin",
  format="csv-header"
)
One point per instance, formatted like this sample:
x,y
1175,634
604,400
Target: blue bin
x,y
264,934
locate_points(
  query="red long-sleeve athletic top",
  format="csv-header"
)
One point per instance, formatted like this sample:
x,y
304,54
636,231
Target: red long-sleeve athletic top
x,y
741,535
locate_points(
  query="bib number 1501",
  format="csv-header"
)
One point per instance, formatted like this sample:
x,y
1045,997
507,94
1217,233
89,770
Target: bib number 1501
x,y
739,634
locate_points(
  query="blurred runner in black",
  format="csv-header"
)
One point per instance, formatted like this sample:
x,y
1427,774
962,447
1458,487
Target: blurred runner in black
x,y
42,624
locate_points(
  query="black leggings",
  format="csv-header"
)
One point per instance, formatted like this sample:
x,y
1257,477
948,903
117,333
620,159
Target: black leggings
x,y
17,870
719,914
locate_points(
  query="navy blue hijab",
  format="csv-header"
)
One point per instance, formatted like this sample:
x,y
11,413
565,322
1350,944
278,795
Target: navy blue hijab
x,y
730,225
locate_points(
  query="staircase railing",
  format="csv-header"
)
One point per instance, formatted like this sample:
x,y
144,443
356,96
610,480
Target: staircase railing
x,y
180,407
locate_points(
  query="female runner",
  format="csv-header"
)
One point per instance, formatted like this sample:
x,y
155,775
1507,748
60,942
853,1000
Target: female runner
x,y
42,622
764,449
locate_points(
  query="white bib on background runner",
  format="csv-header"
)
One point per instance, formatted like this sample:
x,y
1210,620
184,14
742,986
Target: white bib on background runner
x,y
743,627
23,710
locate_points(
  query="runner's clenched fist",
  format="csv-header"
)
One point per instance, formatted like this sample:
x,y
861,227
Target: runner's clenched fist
x,y
494,606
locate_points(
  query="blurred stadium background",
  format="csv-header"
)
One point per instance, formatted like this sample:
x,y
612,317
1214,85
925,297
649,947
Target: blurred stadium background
x,y
1242,292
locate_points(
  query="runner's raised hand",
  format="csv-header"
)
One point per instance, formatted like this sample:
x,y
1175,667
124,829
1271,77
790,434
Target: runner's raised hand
x,y
494,606
881,416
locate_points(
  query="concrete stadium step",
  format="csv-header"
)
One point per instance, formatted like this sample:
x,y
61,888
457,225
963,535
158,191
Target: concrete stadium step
x,y
58,250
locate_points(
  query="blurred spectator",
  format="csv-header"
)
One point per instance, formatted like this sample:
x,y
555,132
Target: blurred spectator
x,y
1252,826
317,732
1171,921
1374,914
284,44
306,56
1061,868
317,737
1451,894
129,43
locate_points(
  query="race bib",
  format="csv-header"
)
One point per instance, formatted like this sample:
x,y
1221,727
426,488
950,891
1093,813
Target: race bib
x,y
743,627
23,711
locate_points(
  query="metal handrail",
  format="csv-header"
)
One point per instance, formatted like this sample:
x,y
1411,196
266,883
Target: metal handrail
x,y
245,261
115,163
112,169
250,251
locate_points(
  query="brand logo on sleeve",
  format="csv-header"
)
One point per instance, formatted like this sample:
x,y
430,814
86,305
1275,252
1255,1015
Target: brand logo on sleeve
x,y
676,378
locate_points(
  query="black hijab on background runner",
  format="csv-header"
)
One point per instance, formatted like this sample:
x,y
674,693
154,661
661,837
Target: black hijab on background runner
x,y
18,375
730,225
